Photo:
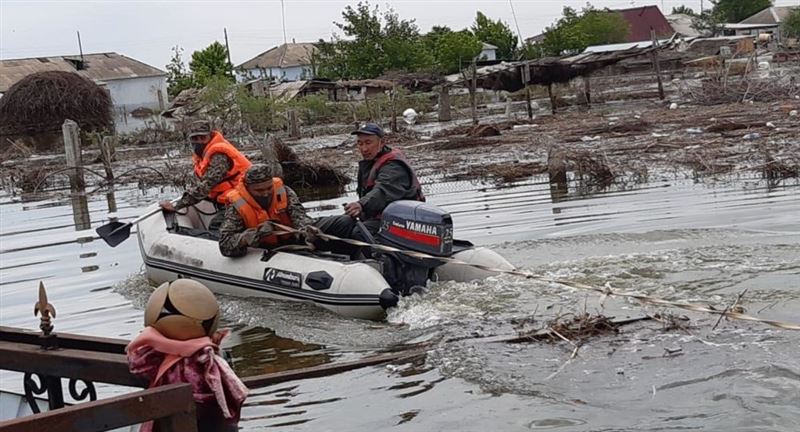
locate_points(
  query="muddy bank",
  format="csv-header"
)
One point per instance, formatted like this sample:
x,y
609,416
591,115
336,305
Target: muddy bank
x,y
624,141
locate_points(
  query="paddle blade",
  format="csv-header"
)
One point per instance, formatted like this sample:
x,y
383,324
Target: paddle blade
x,y
114,233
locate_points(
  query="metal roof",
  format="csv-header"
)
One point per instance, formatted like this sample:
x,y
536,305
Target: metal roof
x,y
282,56
770,15
97,67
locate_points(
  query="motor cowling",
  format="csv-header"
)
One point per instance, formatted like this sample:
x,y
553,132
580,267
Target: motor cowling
x,y
419,227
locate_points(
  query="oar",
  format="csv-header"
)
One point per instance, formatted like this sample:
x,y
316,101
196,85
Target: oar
x,y
116,232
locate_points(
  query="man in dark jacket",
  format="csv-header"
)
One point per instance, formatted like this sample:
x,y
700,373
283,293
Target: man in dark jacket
x,y
384,176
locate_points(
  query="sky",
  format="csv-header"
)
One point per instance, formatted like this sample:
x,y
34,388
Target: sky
x,y
147,30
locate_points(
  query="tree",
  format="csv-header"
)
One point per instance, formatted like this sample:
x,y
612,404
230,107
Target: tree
x,y
211,62
373,44
451,50
178,76
574,32
733,11
684,10
791,27
496,33
708,23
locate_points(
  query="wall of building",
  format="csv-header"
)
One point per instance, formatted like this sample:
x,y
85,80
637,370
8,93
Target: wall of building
x,y
132,93
293,73
487,54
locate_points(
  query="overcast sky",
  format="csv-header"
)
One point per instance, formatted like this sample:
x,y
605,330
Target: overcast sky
x,y
146,30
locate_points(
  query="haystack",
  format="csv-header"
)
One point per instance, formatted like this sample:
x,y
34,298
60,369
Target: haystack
x,y
40,102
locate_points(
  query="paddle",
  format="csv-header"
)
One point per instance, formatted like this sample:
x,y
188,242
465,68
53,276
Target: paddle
x,y
116,232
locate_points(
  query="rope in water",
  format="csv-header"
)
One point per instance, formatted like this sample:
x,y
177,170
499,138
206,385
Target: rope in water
x,y
604,291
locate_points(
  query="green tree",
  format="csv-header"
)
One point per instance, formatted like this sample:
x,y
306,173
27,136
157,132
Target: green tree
x,y
496,33
178,76
451,50
373,43
682,9
574,32
733,11
211,62
708,23
791,27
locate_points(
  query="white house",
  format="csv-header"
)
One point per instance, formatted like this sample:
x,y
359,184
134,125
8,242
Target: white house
x,y
768,20
131,83
488,52
287,62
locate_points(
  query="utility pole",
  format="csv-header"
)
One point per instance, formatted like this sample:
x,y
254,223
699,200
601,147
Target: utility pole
x,y
283,20
80,47
227,48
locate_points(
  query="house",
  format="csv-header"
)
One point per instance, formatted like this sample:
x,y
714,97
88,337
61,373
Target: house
x,y
766,21
287,62
132,84
488,52
642,19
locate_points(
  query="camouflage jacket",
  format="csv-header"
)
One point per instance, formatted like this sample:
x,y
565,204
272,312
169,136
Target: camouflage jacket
x,y
232,228
199,188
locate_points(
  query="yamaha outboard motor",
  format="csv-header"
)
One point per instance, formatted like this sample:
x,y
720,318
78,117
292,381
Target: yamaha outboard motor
x,y
416,226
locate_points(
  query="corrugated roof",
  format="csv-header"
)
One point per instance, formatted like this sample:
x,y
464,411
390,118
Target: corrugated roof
x,y
770,15
641,19
97,67
682,24
282,56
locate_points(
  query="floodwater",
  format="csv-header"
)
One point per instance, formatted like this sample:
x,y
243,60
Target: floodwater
x,y
675,237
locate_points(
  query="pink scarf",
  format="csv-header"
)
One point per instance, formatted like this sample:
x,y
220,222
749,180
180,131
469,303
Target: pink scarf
x,y
167,361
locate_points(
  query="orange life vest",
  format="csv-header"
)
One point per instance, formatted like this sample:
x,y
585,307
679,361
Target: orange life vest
x,y
253,215
234,176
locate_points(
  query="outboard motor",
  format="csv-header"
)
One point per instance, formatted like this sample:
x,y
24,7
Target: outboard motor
x,y
416,226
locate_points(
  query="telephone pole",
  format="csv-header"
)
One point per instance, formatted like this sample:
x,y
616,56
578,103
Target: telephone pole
x,y
227,48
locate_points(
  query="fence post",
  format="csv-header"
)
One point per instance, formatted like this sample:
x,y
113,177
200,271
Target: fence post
x,y
294,127
656,64
77,184
444,104
107,155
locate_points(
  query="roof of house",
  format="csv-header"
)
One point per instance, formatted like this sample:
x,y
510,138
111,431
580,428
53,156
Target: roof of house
x,y
487,46
97,67
770,15
282,56
682,24
641,19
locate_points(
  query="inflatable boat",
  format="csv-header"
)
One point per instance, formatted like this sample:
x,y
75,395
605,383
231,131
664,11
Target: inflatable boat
x,y
179,245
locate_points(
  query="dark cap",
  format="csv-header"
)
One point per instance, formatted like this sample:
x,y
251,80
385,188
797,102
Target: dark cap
x,y
369,129
259,174
199,127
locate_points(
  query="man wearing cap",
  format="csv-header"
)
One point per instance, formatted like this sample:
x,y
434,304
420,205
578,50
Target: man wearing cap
x,y
261,198
218,167
384,176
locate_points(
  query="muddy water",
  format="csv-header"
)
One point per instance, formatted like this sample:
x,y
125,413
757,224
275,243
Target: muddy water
x,y
673,237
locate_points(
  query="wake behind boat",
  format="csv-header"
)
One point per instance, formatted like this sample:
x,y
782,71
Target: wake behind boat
x,y
179,245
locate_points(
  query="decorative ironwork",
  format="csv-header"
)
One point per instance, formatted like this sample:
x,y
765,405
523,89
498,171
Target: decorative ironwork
x,y
48,312
87,392
33,389
47,384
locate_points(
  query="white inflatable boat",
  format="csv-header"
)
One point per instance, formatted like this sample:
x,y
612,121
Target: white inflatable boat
x,y
179,246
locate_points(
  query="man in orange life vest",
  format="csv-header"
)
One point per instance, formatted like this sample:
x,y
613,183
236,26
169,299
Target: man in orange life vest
x,y
260,198
384,176
218,168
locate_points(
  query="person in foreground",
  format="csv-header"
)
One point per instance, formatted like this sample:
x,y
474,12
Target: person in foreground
x,y
384,176
260,199
218,168
180,344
